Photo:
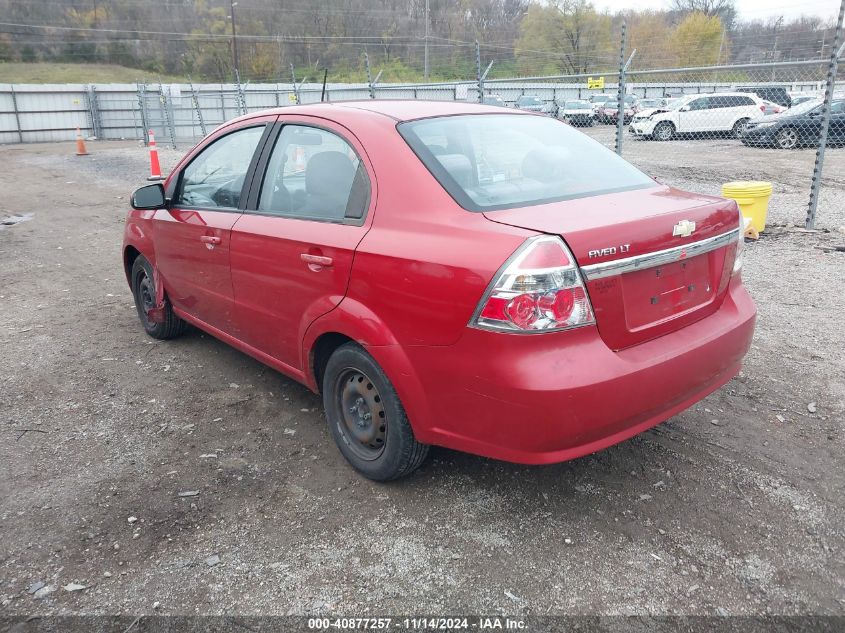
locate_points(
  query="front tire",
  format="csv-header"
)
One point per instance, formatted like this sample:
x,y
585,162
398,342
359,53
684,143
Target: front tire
x,y
366,418
787,138
144,292
664,131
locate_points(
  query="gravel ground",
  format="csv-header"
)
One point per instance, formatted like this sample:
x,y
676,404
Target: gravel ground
x,y
735,506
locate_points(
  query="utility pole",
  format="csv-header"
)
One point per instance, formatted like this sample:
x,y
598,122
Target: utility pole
x,y
234,38
778,24
427,22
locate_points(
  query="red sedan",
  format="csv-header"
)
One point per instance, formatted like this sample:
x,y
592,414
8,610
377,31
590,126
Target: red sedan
x,y
447,274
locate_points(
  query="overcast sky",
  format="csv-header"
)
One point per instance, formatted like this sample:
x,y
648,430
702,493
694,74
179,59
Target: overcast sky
x,y
747,9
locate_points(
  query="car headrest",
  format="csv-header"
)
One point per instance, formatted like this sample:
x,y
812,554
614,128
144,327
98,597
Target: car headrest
x,y
329,172
459,167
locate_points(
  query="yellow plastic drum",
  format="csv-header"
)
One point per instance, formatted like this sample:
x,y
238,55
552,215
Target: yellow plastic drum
x,y
752,196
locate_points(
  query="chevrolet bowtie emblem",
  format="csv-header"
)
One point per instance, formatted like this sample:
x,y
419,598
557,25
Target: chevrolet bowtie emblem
x,y
684,228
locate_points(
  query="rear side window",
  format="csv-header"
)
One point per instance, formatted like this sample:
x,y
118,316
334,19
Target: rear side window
x,y
314,174
502,161
215,177
702,103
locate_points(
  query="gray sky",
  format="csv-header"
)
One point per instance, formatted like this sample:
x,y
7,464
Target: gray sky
x,y
747,9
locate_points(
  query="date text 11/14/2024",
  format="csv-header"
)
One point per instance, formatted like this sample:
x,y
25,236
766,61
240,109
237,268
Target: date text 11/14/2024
x,y
419,624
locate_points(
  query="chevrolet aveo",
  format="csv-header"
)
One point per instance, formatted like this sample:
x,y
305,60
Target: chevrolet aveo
x,y
446,274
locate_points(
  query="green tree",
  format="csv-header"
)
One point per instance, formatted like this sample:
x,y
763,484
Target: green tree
x,y
697,39
647,33
569,35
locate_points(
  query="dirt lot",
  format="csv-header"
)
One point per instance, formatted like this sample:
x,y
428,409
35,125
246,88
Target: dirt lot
x,y
734,506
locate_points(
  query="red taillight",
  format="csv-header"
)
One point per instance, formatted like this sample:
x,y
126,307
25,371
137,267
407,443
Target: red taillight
x,y
762,108
539,289
522,311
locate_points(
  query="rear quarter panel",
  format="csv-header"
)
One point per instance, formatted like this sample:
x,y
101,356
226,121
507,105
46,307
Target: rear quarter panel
x,y
426,262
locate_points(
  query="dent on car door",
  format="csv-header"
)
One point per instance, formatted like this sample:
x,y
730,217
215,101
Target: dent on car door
x,y
192,235
292,250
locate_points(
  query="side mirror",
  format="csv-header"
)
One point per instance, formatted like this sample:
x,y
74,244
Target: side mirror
x,y
148,197
685,108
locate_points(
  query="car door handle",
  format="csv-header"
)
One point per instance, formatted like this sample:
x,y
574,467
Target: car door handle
x,y
210,239
319,260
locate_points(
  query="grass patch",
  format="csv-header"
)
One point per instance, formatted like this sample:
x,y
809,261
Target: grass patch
x,y
59,73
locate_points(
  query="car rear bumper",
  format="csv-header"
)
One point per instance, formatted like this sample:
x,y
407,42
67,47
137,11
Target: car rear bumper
x,y
539,399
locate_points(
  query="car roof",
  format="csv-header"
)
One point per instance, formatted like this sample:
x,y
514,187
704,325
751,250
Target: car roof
x,y
395,109
721,94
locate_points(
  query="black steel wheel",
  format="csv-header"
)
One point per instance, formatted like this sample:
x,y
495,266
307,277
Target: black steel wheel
x,y
366,417
144,292
362,411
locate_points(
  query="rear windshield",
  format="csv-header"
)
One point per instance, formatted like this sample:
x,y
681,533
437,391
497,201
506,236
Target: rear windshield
x,y
502,161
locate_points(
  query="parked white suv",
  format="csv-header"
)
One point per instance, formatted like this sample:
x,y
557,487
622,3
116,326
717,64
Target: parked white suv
x,y
716,112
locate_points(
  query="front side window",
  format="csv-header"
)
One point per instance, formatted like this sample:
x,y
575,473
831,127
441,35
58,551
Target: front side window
x,y
215,177
500,161
314,173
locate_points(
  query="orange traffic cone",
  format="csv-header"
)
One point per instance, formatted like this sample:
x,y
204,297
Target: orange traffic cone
x,y
80,144
155,167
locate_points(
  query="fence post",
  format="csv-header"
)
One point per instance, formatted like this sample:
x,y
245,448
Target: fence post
x,y
480,76
142,104
620,90
196,101
94,110
222,104
241,96
293,83
17,113
815,187
165,114
369,76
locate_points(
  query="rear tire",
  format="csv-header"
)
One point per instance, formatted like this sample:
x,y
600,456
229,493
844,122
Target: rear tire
x,y
144,292
366,418
664,131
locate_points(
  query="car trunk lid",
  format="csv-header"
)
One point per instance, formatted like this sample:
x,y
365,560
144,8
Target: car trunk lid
x,y
654,260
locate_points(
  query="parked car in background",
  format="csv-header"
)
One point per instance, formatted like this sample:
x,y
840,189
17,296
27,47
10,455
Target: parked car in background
x,y
725,112
494,100
531,103
772,108
599,101
798,126
607,113
799,98
445,273
578,113
650,104
776,94
551,108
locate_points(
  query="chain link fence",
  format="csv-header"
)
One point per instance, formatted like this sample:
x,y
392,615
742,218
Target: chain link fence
x,y
695,128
